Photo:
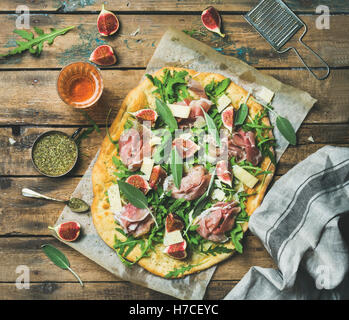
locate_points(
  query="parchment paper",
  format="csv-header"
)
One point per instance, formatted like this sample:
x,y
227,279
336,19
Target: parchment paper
x,y
178,49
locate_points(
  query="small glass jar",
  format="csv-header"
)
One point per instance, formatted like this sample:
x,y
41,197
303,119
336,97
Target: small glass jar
x,y
80,85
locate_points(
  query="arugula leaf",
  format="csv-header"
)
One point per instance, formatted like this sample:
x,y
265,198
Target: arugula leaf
x,y
177,272
215,89
166,114
173,86
216,249
91,121
35,45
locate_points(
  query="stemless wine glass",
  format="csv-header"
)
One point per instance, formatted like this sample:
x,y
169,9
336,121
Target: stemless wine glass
x,y
80,85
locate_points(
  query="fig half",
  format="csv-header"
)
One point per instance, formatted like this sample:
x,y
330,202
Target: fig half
x,y
228,118
67,231
103,55
138,182
107,22
223,172
212,20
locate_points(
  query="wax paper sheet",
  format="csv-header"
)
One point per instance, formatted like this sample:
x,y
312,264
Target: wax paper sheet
x,y
178,49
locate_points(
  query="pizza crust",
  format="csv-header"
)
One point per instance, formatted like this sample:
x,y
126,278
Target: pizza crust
x,y
102,175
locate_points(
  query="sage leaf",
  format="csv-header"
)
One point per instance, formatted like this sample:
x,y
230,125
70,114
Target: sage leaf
x,y
134,195
286,129
241,115
166,114
212,129
176,167
59,259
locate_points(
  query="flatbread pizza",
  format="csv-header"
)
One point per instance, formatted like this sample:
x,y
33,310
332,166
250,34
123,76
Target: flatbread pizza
x,y
184,164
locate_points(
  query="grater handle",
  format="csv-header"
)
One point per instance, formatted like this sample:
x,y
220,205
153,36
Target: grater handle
x,y
315,54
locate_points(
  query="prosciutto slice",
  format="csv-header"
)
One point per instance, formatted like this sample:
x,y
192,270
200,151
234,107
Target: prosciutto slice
x,y
195,110
193,185
217,220
134,144
197,88
247,142
134,221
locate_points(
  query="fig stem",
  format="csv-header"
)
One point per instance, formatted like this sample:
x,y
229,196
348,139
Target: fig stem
x,y
76,276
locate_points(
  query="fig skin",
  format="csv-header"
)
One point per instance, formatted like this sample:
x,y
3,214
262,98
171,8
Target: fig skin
x,y
228,118
139,182
67,231
107,23
146,115
212,21
103,55
223,172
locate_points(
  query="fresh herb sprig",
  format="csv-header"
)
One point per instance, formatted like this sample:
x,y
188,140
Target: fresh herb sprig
x,y
35,44
213,250
179,271
172,87
166,114
59,259
215,89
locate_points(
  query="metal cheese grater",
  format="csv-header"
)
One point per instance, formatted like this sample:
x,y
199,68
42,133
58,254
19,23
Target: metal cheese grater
x,y
277,24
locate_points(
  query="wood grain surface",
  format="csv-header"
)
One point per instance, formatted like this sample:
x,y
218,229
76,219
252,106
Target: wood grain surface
x,y
29,105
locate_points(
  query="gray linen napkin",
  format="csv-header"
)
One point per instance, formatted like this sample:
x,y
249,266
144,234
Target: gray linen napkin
x,y
298,225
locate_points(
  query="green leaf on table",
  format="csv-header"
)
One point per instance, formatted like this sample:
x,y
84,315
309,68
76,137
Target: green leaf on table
x,y
35,45
241,115
166,114
286,129
176,167
59,259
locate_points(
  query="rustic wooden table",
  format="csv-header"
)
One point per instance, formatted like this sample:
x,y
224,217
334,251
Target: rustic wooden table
x,y
29,105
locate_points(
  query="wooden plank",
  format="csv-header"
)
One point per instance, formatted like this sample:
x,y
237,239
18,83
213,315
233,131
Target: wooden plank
x,y
27,251
18,159
166,5
24,216
100,291
135,51
38,101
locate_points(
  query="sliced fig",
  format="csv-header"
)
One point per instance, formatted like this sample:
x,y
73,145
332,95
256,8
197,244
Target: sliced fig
x,y
212,20
103,55
173,223
146,115
177,251
67,231
107,22
157,176
139,182
223,172
228,118
185,147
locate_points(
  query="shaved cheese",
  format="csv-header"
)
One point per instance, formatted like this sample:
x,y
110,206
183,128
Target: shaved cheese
x,y
147,167
172,237
114,198
179,111
200,122
266,94
218,194
155,140
244,176
223,102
